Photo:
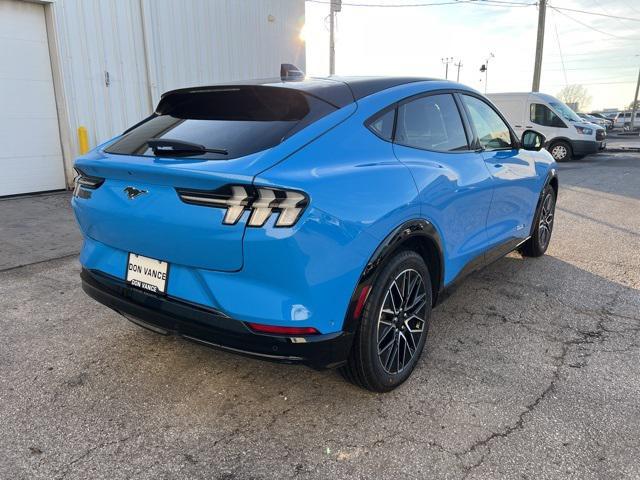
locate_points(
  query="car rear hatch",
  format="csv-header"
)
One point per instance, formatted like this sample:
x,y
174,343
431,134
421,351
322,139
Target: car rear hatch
x,y
200,140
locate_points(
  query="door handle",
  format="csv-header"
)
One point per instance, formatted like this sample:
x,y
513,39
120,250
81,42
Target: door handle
x,y
497,165
518,126
529,126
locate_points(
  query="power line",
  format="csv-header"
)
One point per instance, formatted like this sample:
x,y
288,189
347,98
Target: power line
x,y
492,3
587,26
631,7
601,8
488,3
604,53
598,83
595,13
622,67
564,70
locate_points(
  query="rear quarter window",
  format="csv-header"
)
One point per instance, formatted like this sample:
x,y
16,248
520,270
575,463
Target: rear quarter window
x,y
382,124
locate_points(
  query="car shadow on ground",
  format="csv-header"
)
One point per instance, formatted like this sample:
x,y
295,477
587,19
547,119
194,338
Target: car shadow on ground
x,y
496,340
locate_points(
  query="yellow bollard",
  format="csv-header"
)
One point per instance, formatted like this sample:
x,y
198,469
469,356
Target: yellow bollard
x,y
83,140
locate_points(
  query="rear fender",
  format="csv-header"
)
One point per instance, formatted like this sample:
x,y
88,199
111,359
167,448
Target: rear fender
x,y
552,176
418,230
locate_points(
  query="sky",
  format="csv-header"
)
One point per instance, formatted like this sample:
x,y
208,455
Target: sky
x,y
600,53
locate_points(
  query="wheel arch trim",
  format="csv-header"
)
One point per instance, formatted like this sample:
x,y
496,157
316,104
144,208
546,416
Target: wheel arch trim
x,y
552,176
419,229
555,140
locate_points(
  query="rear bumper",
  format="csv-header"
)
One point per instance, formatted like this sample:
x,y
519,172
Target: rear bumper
x,y
167,315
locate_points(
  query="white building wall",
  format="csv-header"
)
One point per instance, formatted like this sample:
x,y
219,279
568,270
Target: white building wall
x,y
95,37
150,46
199,42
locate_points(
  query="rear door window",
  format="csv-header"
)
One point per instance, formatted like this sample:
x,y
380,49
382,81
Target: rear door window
x,y
238,120
431,123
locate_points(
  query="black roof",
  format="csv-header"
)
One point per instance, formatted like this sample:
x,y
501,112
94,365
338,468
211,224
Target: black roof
x,y
338,91
364,86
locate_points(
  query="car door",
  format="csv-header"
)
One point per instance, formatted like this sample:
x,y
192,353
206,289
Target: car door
x,y
453,182
516,181
547,122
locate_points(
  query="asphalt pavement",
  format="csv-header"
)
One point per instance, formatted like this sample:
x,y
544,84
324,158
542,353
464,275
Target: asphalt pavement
x,y
531,369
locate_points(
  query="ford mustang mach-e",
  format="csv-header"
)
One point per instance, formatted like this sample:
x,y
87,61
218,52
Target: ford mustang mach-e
x,y
315,221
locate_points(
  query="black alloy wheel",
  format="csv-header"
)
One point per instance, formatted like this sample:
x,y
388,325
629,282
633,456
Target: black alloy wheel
x,y
393,325
401,321
541,236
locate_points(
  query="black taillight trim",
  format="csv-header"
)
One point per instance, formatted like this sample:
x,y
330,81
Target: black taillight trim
x,y
84,181
229,196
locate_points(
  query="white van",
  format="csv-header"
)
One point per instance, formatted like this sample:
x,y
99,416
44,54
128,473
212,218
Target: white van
x,y
623,119
568,136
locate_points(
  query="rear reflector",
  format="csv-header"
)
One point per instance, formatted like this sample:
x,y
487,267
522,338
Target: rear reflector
x,y
361,299
277,330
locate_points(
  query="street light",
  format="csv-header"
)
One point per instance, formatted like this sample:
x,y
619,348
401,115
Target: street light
x,y
485,69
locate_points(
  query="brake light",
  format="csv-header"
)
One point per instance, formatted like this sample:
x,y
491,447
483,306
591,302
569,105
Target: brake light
x,y
85,181
278,330
262,202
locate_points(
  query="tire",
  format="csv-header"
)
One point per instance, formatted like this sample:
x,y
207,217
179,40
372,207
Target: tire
x,y
395,318
561,151
537,245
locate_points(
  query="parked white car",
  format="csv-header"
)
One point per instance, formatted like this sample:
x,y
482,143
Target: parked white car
x,y
608,121
568,136
623,119
593,119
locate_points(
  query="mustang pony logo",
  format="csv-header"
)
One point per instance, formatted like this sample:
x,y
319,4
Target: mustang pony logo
x,y
133,192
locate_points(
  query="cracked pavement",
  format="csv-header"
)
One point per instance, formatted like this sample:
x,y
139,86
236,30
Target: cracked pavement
x,y
531,370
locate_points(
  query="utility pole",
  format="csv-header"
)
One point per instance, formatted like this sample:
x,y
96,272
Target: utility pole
x,y
459,65
446,61
635,103
542,11
334,8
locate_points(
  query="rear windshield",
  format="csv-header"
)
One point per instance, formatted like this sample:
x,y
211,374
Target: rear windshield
x,y
238,120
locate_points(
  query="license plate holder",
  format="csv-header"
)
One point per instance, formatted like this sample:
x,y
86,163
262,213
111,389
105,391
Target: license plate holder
x,y
147,273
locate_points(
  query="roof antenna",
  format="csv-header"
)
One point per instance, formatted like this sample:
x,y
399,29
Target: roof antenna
x,y
290,73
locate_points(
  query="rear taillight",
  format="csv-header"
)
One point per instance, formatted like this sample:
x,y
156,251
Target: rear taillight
x,y
85,181
262,202
278,330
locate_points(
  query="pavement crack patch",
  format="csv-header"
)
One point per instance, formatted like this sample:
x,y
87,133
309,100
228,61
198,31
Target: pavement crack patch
x,y
66,469
17,267
519,424
584,338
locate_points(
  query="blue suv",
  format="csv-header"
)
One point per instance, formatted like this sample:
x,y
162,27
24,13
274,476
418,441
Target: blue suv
x,y
315,221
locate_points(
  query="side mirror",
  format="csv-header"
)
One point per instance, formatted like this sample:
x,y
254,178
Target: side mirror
x,y
532,140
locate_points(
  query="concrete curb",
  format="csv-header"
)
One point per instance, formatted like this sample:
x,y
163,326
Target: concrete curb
x,y
621,150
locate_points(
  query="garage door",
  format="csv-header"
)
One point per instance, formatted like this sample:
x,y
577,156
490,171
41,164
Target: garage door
x,y
30,153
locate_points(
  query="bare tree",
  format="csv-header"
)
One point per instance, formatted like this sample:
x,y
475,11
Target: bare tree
x,y
575,95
